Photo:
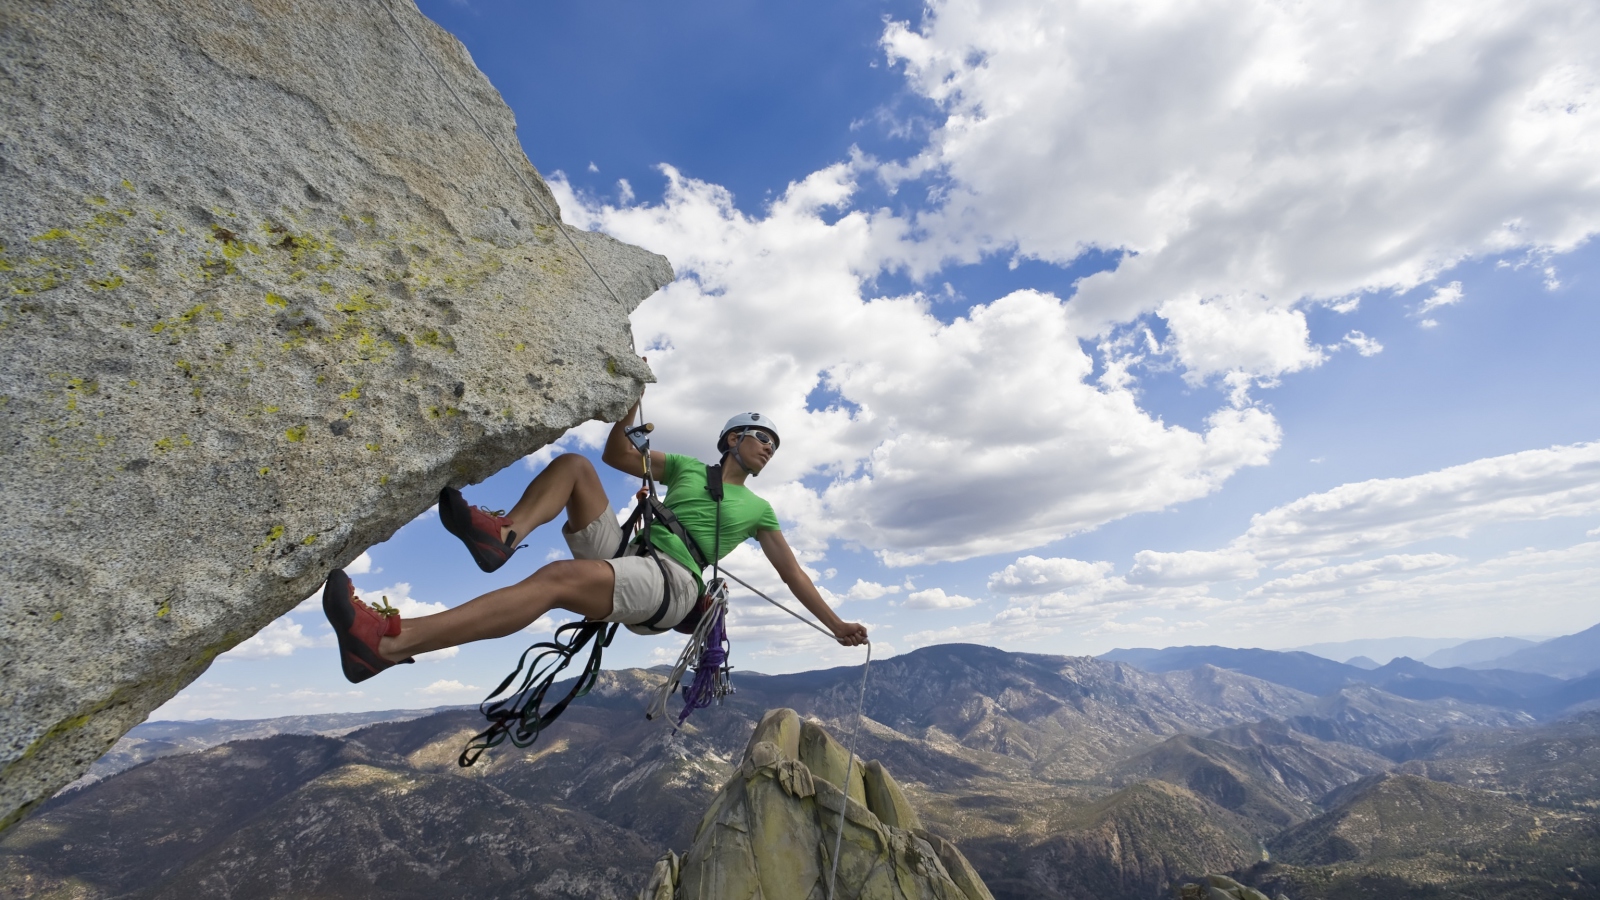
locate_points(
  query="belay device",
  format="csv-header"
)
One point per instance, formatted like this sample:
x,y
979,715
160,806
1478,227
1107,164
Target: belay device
x,y
520,717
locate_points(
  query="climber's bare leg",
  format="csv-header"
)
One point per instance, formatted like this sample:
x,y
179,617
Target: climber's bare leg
x,y
569,482
582,586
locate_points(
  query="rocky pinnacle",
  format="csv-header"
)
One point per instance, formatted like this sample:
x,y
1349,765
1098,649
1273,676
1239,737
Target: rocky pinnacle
x,y
771,830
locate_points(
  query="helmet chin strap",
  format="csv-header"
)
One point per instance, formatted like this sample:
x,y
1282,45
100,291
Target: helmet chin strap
x,y
738,456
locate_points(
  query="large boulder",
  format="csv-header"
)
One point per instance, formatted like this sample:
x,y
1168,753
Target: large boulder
x,y
770,832
265,287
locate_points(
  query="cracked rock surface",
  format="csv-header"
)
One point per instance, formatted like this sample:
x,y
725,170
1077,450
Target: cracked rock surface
x,y
265,287
771,831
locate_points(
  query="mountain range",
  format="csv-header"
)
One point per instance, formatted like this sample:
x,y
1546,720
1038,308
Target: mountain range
x,y
1567,656
150,740
1060,777
1575,658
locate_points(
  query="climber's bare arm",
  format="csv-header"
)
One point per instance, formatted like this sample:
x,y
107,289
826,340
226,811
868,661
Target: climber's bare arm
x,y
782,558
621,455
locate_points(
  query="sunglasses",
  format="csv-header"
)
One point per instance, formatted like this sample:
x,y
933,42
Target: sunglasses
x,y
761,436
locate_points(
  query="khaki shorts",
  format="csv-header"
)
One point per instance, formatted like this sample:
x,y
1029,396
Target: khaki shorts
x,y
637,593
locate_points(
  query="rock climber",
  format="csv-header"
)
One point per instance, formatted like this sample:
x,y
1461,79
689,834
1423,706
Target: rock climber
x,y
630,589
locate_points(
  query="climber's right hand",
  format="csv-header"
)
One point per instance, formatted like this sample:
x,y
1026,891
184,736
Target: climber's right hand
x,y
850,634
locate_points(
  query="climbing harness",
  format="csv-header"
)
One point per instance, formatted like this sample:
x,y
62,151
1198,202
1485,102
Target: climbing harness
x,y
707,649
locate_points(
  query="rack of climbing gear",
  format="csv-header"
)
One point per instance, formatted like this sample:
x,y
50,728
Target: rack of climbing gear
x,y
707,651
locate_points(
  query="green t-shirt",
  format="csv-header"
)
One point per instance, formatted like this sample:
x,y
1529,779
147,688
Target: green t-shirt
x,y
743,513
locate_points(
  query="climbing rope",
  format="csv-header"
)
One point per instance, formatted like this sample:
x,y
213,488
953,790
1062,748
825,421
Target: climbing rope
x,y
844,789
746,586
538,201
850,747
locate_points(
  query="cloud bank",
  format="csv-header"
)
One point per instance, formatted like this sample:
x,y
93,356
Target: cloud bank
x,y
1241,160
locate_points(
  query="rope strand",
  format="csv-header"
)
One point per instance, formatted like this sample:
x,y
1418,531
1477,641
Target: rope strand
x,y
844,800
861,703
786,609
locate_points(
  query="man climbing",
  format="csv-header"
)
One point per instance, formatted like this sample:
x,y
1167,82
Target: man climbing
x,y
649,591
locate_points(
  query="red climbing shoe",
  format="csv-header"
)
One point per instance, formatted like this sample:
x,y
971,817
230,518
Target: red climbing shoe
x,y
359,627
479,529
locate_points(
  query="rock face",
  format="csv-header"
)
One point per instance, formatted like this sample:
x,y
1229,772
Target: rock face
x,y
265,287
770,832
1218,887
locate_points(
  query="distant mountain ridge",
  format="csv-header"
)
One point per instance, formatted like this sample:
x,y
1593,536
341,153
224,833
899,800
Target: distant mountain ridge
x,y
1568,656
1380,650
1484,650
1061,778
151,740
1542,695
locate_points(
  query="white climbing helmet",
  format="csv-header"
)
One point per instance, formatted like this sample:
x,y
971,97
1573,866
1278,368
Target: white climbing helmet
x,y
745,422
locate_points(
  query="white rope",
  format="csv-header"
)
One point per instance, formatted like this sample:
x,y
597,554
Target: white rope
x,y
861,702
786,609
503,158
844,799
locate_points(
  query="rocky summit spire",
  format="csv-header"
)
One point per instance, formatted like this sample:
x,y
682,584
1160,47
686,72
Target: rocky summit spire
x,y
771,830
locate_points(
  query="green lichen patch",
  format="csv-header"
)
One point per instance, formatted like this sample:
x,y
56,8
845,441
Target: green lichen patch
x,y
167,445
272,538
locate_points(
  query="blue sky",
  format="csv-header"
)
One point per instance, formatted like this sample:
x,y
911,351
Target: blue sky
x,y
1089,324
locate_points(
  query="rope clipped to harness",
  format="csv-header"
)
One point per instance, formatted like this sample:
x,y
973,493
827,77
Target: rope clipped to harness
x,y
707,649
521,716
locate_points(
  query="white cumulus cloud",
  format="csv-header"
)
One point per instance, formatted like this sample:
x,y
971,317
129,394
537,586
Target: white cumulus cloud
x,y
449,687
1191,567
281,637
1351,574
1362,344
1448,295
1388,513
1033,575
1238,160
933,451
870,590
1250,148
936,598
